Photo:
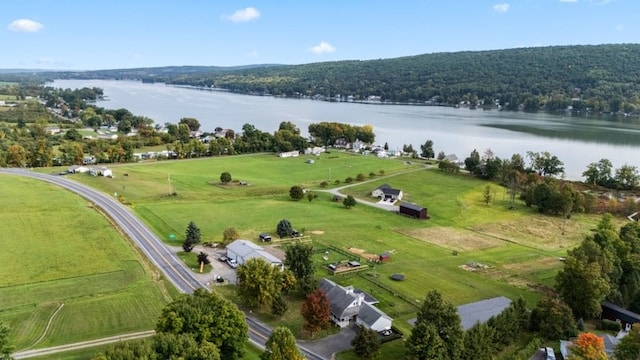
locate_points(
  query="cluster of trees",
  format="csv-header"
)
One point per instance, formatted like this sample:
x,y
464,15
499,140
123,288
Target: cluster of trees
x,y
438,334
600,173
531,79
326,133
604,267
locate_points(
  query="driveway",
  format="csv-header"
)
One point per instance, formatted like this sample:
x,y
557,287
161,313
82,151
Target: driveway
x,y
219,268
330,345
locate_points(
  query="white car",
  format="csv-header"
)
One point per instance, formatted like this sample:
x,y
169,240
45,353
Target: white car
x,y
232,263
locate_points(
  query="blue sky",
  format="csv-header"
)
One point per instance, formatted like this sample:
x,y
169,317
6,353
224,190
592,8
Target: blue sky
x,y
113,34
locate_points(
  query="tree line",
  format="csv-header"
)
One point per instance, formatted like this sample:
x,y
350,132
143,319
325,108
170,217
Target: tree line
x,y
581,79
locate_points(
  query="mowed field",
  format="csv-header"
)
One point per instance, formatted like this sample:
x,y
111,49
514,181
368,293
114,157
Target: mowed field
x,y
516,251
67,275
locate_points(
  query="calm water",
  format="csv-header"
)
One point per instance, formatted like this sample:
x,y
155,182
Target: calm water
x,y
577,141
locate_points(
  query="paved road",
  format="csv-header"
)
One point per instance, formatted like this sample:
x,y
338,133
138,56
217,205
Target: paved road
x,y
162,257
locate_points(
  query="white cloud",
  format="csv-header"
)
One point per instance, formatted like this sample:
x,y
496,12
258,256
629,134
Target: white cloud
x,y
501,8
25,25
243,15
322,48
601,2
569,1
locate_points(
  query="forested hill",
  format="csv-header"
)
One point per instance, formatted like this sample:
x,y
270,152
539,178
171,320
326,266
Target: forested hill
x,y
600,78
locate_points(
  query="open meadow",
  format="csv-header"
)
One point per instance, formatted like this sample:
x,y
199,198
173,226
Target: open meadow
x,y
67,275
467,250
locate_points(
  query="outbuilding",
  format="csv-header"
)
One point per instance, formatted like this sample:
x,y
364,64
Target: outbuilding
x,y
619,314
412,210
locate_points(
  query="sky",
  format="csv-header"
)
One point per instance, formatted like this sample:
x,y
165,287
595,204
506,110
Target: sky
x,y
117,34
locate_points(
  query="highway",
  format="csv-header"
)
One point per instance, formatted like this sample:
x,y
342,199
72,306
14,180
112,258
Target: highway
x,y
171,267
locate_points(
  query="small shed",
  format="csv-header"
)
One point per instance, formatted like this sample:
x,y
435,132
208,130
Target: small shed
x,y
337,198
412,210
385,256
619,314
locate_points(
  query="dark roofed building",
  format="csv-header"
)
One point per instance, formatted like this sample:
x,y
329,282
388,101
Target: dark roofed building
x,y
412,210
616,313
372,318
386,192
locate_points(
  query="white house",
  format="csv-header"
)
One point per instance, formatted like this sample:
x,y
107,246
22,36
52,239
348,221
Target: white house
x,y
243,250
289,154
74,169
101,171
316,150
386,192
348,305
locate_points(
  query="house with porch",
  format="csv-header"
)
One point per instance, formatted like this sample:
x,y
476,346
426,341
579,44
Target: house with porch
x,y
348,306
386,192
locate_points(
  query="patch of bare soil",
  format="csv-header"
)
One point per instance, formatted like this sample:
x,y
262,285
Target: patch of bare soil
x,y
450,238
363,253
543,232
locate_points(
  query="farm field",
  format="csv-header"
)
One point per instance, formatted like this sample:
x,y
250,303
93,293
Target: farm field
x,y
67,275
467,250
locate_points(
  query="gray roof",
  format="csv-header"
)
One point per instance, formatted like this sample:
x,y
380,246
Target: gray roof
x,y
391,191
247,250
481,311
369,314
339,299
384,186
411,206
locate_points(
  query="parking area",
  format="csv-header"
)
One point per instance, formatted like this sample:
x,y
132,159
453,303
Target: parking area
x,y
220,268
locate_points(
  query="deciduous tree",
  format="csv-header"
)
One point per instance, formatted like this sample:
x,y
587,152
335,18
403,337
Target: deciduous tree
x,y
553,319
208,318
225,177
588,346
478,343
299,259
629,346
5,347
296,192
258,283
229,235
315,311
349,202
281,345
427,150
366,343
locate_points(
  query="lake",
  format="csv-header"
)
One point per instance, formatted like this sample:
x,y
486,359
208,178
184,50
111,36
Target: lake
x,y
577,141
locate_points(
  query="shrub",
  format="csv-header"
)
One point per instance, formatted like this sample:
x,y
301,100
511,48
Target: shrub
x,y
324,184
608,325
348,180
372,174
337,181
360,177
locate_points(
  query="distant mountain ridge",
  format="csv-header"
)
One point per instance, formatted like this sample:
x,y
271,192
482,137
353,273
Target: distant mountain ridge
x,y
579,78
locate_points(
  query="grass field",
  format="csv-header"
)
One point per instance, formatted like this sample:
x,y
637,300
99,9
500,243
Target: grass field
x,y
63,264
516,252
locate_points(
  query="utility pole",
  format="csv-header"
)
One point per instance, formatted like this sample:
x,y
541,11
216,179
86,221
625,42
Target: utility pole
x,y
170,187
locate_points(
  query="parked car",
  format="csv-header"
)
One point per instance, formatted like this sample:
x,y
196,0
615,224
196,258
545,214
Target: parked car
x,y
223,258
232,263
295,234
264,237
551,355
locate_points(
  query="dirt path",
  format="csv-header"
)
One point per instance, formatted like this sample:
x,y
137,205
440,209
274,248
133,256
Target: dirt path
x,y
81,345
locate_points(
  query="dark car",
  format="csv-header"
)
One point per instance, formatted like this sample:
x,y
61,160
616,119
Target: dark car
x,y
264,237
296,233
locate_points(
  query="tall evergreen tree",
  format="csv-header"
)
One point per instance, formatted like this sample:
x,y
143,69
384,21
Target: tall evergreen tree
x,y
192,237
478,343
426,344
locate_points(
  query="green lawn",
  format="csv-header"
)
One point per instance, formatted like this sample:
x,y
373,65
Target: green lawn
x,y
62,257
518,249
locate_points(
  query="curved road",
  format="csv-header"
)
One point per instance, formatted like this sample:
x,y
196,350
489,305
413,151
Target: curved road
x,y
172,268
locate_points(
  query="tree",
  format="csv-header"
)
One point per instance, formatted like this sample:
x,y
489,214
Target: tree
x,y
627,177
545,164
487,195
425,343
203,258
553,319
281,345
427,150
284,228
208,318
349,202
366,344
315,311
629,346
225,177
229,235
5,347
192,123
444,317
258,283
441,156
299,260
588,346
192,237
599,173
279,305
472,162
181,346
296,192
583,282
478,343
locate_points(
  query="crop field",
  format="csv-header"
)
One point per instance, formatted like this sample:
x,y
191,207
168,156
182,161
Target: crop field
x,y
467,250
67,275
